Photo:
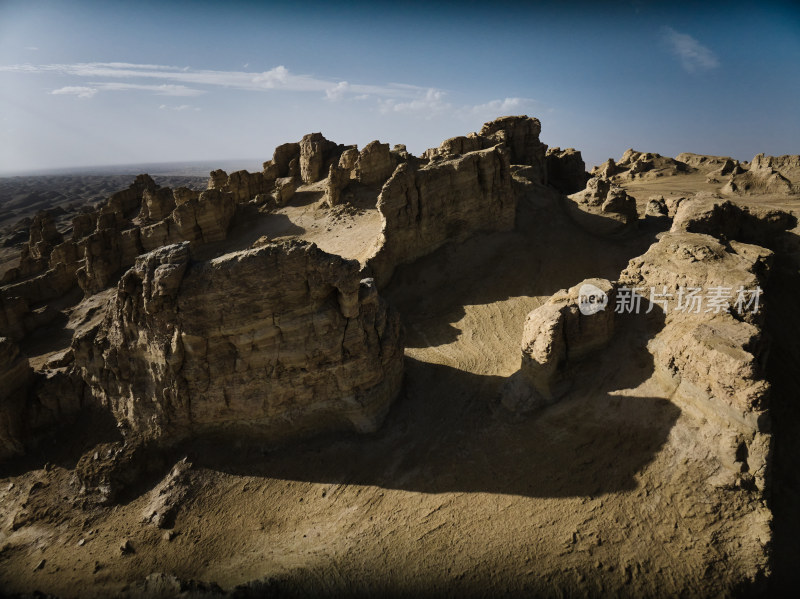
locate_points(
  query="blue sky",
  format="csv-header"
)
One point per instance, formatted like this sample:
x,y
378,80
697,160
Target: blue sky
x,y
95,83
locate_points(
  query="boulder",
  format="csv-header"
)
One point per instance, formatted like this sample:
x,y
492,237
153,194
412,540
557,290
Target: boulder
x,y
572,324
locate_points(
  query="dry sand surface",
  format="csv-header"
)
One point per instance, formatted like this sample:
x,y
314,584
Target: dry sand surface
x,y
609,492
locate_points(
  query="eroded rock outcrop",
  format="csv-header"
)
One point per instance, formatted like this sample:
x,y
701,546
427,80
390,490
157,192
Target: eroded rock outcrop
x,y
710,353
603,208
722,218
521,135
566,170
764,180
16,378
787,165
273,342
315,150
571,325
374,165
449,200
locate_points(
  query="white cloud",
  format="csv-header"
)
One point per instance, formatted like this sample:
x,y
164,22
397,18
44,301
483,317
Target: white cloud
x,y
429,104
161,90
337,91
74,90
180,108
277,78
502,107
693,55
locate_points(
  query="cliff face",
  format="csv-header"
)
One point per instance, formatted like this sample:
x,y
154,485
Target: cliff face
x,y
278,341
712,359
446,200
16,377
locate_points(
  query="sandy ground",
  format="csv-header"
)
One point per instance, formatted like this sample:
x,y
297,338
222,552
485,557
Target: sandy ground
x,y
611,491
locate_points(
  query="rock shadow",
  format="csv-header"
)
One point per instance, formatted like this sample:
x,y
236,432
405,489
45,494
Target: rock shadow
x,y
448,433
546,252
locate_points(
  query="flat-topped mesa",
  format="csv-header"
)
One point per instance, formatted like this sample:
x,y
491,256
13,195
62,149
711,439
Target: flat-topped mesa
x,y
443,201
278,341
603,208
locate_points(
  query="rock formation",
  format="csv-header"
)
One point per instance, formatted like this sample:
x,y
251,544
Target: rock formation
x,y
337,181
273,342
315,150
375,164
603,208
16,377
787,165
566,170
424,208
726,220
571,325
521,135
764,180
712,354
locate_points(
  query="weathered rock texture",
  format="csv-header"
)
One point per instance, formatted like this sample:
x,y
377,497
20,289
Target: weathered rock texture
x,y
521,135
641,165
603,208
703,162
315,150
273,342
422,209
764,180
375,164
566,170
787,165
16,378
726,220
712,359
555,336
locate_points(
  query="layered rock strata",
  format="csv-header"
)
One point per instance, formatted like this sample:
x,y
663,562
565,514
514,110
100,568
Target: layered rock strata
x,y
277,341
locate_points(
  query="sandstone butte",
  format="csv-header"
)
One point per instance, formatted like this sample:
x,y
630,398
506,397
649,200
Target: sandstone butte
x,y
315,301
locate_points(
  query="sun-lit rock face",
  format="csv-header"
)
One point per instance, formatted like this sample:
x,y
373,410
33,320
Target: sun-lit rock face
x,y
274,342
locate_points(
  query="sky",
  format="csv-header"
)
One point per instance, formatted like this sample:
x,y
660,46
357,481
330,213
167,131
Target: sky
x,y
87,83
